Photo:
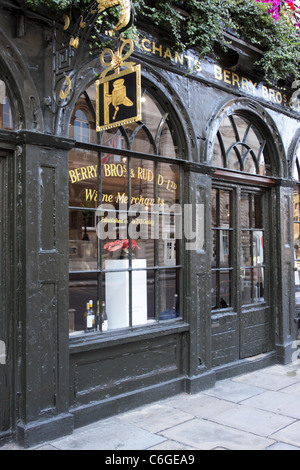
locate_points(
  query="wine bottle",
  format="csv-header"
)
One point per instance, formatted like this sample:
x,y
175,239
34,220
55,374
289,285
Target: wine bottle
x,y
104,317
175,309
98,317
90,318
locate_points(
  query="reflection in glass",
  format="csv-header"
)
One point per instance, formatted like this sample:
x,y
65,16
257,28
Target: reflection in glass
x,y
82,240
168,184
83,179
221,249
224,208
221,289
252,248
168,295
252,285
6,119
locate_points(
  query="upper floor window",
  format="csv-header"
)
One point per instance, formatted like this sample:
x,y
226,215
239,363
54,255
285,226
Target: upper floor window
x,y
240,146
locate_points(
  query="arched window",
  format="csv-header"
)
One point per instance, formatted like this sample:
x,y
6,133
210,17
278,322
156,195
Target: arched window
x,y
238,213
240,146
124,202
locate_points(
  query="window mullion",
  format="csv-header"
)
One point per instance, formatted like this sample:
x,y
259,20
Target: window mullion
x,y
130,240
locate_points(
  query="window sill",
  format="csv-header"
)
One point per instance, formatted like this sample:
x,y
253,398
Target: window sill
x,y
94,341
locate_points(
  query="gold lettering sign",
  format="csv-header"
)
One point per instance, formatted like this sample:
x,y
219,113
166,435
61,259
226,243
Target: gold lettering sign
x,y
118,95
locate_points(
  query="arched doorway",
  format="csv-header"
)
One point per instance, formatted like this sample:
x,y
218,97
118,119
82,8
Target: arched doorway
x,y
242,266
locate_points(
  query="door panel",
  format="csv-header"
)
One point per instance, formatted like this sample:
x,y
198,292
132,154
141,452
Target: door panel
x,y
255,327
241,276
255,313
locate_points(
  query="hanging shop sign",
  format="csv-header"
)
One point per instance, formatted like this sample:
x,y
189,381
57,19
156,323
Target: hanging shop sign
x,y
118,91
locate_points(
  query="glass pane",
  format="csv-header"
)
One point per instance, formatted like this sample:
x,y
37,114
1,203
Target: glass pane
x,y
214,208
151,113
114,180
168,241
233,161
83,178
168,295
246,286
296,173
242,146
215,235
117,293
113,138
218,157
252,285
83,288
82,240
225,249
297,241
257,217
6,122
245,211
262,165
168,184
142,183
227,132
151,296
225,209
225,290
253,141
221,290
167,142
214,290
297,204
258,248
141,142
297,281
258,280
246,254
249,165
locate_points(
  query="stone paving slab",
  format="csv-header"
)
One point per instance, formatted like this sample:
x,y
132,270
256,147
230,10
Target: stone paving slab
x,y
276,402
107,435
233,391
206,435
289,435
275,381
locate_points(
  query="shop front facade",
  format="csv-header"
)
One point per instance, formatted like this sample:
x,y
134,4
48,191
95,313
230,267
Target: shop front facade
x,y
147,259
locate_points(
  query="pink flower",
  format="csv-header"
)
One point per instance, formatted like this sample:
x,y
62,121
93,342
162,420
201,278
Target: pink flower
x,y
120,245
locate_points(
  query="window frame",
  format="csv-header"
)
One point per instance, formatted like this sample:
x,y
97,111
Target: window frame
x,y
157,159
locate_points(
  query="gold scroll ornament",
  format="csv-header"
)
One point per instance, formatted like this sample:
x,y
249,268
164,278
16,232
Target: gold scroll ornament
x,y
124,20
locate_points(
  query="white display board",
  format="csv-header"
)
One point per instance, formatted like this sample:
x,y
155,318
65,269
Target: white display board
x,y
117,293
